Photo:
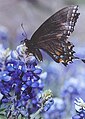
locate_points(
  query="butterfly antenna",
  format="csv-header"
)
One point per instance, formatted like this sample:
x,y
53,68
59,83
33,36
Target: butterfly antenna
x,y
24,34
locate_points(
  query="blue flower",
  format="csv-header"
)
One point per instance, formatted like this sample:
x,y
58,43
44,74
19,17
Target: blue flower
x,y
3,33
57,110
20,82
80,109
70,90
45,101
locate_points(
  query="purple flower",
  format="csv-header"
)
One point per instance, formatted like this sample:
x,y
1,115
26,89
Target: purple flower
x,y
80,109
74,85
57,110
4,36
3,33
20,83
70,90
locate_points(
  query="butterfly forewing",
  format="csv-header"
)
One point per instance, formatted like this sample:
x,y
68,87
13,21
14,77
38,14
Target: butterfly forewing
x,y
52,35
61,22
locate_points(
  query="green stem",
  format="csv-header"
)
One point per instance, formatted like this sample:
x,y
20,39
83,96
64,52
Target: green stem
x,y
33,116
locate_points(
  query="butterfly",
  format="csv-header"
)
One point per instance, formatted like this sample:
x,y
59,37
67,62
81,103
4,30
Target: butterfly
x,y
52,36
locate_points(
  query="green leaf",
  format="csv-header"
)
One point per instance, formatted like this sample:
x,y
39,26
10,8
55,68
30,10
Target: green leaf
x,y
2,117
2,109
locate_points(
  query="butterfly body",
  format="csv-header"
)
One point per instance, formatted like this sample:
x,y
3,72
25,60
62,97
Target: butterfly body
x,y
33,48
52,36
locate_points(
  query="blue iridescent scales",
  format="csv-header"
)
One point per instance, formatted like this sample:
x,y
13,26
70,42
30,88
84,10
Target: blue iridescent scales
x,y
52,36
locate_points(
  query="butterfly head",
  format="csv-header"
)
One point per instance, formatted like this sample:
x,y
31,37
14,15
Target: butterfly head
x,y
28,44
26,41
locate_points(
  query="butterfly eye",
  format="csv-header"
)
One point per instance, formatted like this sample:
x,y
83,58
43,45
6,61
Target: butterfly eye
x,y
22,42
25,40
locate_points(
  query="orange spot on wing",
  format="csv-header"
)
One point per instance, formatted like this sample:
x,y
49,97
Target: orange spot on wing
x,y
60,60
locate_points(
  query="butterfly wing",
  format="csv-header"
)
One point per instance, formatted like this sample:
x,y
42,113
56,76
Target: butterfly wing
x,y
60,51
52,35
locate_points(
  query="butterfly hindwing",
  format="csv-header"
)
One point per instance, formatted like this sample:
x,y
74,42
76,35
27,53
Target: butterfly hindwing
x,y
60,51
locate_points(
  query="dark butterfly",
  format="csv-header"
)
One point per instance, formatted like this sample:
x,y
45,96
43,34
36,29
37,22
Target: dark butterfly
x,y
52,36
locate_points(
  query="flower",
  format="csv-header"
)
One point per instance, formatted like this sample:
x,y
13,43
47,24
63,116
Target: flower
x,y
57,110
73,86
80,109
45,101
4,36
3,33
70,90
20,83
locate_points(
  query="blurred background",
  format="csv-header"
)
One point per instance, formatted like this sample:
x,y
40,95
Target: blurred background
x,y
32,13
66,83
